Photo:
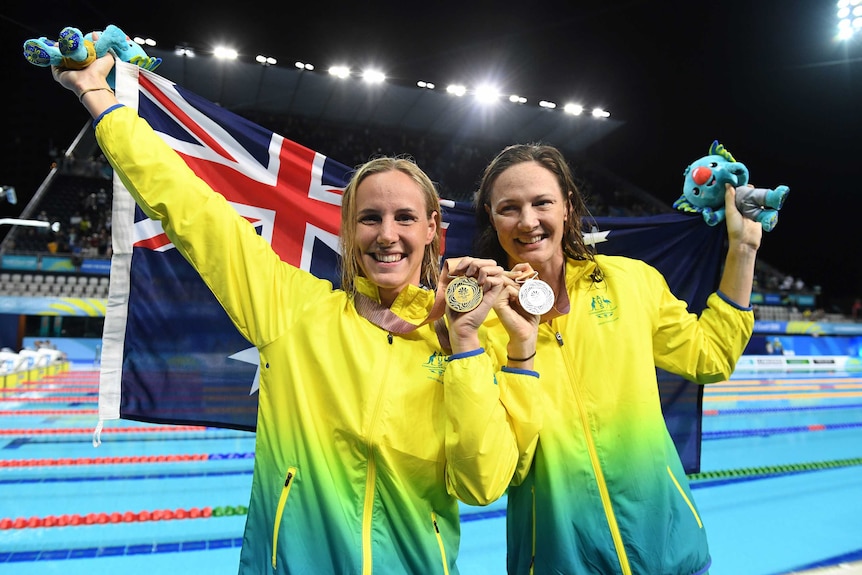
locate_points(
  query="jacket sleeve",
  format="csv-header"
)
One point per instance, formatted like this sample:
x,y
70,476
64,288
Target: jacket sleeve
x,y
237,264
703,349
491,418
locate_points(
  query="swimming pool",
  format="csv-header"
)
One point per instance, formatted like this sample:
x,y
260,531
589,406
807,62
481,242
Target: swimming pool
x,y
780,488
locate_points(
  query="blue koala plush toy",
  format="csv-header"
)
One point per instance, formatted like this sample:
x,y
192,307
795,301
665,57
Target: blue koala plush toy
x,y
75,50
703,190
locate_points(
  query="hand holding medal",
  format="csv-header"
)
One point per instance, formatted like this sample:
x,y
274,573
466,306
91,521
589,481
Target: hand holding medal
x,y
463,294
534,295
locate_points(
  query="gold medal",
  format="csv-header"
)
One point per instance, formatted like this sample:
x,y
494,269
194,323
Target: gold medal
x,y
463,294
536,296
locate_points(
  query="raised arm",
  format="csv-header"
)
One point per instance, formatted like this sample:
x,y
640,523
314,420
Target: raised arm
x,y
744,236
237,264
90,84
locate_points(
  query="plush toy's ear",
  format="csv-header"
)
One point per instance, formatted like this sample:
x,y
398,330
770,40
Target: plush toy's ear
x,y
717,149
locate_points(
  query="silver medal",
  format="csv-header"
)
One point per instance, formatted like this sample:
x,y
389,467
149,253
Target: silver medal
x,y
536,296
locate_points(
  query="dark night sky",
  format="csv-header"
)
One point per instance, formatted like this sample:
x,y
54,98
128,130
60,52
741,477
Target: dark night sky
x,y
764,77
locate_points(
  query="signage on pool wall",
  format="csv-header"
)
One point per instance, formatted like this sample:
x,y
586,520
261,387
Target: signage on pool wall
x,y
798,363
807,327
96,267
804,345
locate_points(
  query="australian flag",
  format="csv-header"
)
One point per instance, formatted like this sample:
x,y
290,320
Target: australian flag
x,y
171,355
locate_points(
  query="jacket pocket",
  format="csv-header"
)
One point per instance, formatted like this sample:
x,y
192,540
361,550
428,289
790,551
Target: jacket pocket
x,y
279,511
685,498
440,543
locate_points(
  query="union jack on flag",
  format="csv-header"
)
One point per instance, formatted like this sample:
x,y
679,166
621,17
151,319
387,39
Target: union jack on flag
x,y
170,353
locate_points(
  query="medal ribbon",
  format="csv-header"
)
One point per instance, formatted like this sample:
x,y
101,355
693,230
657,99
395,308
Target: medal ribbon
x,y
385,318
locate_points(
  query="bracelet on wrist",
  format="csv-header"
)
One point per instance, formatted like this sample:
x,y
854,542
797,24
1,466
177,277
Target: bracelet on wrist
x,y
88,90
531,356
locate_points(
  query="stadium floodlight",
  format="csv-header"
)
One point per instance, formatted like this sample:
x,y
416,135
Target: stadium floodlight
x,y
573,109
426,85
339,71
144,41
547,104
184,51
849,18
599,113
303,65
516,99
486,94
225,53
265,60
373,76
456,89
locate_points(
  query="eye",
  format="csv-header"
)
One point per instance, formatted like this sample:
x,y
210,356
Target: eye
x,y
713,164
405,218
369,219
695,191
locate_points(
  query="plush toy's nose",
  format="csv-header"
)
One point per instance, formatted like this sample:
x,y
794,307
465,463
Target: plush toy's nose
x,y
701,175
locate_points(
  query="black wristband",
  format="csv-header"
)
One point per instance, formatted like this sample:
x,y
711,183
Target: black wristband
x,y
531,356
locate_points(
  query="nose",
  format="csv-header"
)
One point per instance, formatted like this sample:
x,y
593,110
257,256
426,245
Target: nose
x,y
528,219
387,233
701,175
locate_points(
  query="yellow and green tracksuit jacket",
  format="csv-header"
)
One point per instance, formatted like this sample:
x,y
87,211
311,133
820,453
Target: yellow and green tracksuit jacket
x,y
606,492
364,440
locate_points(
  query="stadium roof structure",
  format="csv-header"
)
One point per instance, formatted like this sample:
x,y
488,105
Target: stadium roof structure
x,y
289,91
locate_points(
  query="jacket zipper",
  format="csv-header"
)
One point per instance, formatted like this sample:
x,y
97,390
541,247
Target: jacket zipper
x,y
597,468
685,497
282,501
370,481
533,527
440,543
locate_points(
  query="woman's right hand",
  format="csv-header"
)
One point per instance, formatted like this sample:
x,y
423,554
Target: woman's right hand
x,y
521,325
464,326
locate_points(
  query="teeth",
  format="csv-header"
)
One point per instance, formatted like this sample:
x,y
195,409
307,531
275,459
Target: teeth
x,y
531,240
388,259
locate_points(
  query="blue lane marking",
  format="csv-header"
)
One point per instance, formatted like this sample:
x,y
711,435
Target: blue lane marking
x,y
850,557
118,477
765,432
480,515
784,409
119,550
139,437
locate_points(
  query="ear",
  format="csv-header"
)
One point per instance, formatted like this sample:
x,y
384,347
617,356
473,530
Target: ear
x,y
432,228
490,216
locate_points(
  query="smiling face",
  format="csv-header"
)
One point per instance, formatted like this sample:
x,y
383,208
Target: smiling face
x,y
392,230
528,210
